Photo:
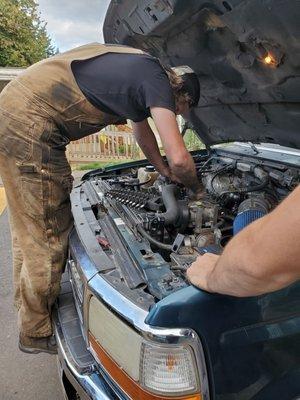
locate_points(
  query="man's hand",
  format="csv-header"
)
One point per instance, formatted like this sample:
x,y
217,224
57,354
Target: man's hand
x,y
200,271
180,161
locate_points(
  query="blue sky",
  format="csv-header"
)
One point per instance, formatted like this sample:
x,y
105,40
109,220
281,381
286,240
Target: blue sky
x,y
71,23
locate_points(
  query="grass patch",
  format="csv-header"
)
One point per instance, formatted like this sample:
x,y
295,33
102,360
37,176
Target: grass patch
x,y
100,164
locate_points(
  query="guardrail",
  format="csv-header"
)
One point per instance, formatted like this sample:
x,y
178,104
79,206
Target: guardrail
x,y
105,145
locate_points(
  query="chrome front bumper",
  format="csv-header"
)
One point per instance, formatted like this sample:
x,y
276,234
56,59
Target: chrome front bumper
x,y
89,385
78,371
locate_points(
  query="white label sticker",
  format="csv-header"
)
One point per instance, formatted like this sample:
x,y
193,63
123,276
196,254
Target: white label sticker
x,y
119,221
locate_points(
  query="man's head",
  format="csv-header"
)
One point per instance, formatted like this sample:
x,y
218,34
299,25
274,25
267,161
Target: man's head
x,y
186,87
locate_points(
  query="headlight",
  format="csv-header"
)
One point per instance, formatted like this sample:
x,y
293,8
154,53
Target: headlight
x,y
116,338
142,368
168,369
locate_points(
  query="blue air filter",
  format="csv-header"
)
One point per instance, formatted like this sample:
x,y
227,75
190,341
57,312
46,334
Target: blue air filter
x,y
249,211
245,218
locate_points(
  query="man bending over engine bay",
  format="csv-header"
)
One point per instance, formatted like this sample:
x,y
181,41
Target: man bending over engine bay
x,y
61,99
263,257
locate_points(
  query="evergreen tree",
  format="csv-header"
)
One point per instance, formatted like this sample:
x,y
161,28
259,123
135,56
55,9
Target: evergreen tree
x,y
23,36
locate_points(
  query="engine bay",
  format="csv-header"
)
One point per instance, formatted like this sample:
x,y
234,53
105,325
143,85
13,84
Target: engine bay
x,y
170,228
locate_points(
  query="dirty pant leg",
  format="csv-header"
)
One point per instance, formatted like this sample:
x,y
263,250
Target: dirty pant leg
x,y
43,252
40,215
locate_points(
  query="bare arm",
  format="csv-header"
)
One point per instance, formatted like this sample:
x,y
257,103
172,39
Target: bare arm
x,y
180,161
147,142
262,258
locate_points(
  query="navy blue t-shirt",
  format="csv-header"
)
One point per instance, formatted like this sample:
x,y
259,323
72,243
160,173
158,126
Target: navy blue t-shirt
x,y
126,85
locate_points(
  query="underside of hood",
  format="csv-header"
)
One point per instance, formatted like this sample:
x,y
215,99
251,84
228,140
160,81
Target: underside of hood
x,y
246,54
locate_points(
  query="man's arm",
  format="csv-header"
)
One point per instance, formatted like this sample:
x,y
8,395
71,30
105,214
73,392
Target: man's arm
x,y
262,258
180,161
147,142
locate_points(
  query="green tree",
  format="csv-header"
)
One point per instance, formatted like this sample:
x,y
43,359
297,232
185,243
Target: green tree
x,y
23,36
192,141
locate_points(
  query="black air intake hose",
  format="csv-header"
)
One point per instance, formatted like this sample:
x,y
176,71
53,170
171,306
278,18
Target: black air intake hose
x,y
172,214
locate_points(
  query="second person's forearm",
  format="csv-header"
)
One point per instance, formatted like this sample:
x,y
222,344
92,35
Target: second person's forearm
x,y
244,268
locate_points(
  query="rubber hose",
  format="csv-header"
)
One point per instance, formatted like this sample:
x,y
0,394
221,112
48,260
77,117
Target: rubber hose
x,y
172,213
257,187
158,244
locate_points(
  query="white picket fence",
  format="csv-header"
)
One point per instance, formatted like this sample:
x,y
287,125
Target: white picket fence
x,y
105,145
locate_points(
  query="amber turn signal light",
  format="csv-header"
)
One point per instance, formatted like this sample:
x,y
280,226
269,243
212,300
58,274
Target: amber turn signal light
x,y
127,384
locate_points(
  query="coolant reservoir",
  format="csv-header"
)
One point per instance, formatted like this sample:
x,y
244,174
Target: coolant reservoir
x,y
147,175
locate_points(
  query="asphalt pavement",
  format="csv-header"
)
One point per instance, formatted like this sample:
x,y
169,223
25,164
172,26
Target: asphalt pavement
x,y
22,376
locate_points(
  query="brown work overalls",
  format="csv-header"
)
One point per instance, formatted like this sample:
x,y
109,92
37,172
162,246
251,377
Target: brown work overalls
x,y
40,112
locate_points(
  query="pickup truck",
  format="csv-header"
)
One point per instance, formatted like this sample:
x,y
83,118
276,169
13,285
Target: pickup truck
x,y
127,322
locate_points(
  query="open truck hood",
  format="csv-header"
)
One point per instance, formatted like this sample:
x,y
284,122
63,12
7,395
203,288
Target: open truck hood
x,y
245,52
